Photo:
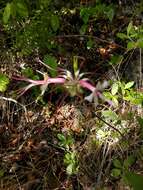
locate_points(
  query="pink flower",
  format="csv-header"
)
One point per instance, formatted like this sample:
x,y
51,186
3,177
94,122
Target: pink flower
x,y
67,79
43,83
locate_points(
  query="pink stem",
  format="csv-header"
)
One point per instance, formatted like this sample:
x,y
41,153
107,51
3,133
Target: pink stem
x,y
40,82
37,82
56,80
87,85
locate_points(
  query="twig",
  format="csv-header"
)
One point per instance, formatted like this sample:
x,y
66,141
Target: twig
x,y
20,188
105,154
14,101
38,60
111,126
87,36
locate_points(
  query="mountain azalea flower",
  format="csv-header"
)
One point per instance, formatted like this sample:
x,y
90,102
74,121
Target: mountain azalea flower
x,y
72,83
42,83
96,92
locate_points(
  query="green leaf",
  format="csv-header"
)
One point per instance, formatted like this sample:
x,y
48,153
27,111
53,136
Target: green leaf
x,y
140,43
69,169
115,101
83,29
61,137
129,161
13,9
51,62
117,163
69,140
7,13
128,98
129,85
107,95
67,159
73,157
123,91
21,9
135,180
129,28
109,114
110,13
116,59
131,45
114,88
4,81
122,36
55,22
134,34
85,14
115,172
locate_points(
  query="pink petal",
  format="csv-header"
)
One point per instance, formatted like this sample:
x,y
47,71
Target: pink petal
x,y
87,85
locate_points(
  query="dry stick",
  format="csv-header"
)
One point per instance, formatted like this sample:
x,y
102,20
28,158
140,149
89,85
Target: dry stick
x,y
38,60
111,126
50,68
105,154
20,188
86,36
127,58
14,101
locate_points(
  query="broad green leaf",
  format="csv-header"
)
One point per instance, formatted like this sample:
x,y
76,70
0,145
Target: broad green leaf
x,y
140,43
4,81
109,114
85,14
115,101
135,180
107,95
123,91
131,45
55,22
117,163
134,35
83,29
114,88
129,161
116,59
129,85
69,169
73,157
21,9
122,36
69,140
51,62
13,9
7,13
61,137
115,172
110,13
67,159
128,98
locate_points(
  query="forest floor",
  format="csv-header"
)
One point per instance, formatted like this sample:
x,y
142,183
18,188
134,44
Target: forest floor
x,y
62,142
